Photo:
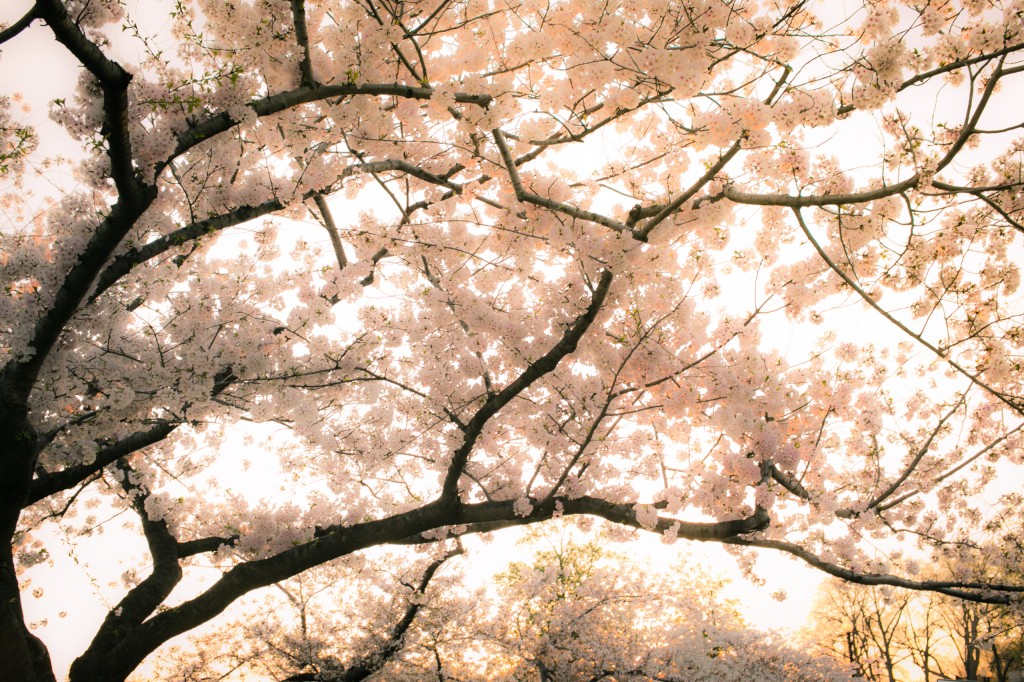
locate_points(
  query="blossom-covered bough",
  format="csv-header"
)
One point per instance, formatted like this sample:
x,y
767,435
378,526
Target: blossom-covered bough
x,y
460,265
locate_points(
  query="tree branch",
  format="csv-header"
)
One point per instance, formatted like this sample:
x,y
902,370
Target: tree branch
x,y
114,82
126,262
984,593
48,484
51,483
544,364
19,26
272,104
373,661
921,452
1011,402
543,202
302,38
332,229
144,598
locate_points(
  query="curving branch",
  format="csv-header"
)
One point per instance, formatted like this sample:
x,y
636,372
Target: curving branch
x,y
50,483
544,202
983,593
126,262
537,369
20,25
799,201
272,104
143,599
1010,401
404,528
924,76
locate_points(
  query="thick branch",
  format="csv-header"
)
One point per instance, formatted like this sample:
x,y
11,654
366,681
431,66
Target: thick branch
x,y
114,82
18,26
124,263
204,545
339,541
804,201
219,123
976,592
487,517
302,38
543,365
143,599
51,483
17,379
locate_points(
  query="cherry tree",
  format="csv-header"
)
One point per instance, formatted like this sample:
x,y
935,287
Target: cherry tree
x,y
575,615
728,271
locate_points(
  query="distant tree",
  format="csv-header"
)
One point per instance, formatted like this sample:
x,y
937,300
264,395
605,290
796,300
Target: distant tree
x,y
924,638
877,629
723,270
862,625
1007,649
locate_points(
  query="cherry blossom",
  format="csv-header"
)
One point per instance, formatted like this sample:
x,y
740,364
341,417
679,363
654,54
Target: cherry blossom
x,y
331,276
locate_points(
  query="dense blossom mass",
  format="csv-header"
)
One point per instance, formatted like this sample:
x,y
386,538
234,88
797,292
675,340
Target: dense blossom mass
x,y
734,271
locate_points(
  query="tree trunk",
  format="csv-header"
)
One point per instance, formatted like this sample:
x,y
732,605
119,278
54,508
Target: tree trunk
x,y
23,656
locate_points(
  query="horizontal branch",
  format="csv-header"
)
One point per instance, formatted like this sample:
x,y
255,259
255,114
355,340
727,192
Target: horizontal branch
x,y
487,517
204,545
51,483
273,104
805,201
339,541
984,593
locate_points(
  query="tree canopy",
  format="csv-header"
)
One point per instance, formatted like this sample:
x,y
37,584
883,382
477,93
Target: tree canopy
x,y
725,270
